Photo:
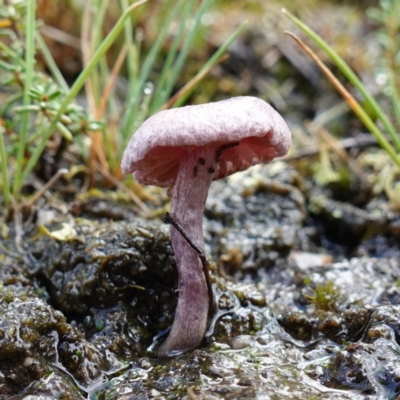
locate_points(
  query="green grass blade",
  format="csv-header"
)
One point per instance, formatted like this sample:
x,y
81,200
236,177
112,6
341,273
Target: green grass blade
x,y
145,103
4,171
160,94
350,75
380,137
134,102
96,39
29,66
132,61
180,62
212,61
51,63
77,86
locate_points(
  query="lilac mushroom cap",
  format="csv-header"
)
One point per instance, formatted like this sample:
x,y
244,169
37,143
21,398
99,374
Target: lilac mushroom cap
x,y
154,152
185,149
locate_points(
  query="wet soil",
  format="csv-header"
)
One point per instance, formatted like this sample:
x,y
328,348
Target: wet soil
x,y
82,316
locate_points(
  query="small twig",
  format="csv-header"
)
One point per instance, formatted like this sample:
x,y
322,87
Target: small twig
x,y
97,150
333,144
169,220
61,37
122,187
360,141
27,205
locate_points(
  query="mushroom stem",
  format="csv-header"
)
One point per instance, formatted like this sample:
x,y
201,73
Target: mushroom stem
x,y
169,220
189,194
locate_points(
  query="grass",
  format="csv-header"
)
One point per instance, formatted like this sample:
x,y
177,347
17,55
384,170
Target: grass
x,y
42,105
29,66
77,86
390,19
4,170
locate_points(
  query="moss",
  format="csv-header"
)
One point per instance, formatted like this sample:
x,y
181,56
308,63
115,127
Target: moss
x,y
33,337
325,296
7,295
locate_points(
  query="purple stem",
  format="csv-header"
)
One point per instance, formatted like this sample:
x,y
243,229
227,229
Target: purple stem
x,y
189,194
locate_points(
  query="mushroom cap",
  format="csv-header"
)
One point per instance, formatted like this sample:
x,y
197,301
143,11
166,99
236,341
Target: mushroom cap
x,y
154,151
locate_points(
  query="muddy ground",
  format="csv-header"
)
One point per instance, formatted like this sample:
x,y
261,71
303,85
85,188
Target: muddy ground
x,y
79,315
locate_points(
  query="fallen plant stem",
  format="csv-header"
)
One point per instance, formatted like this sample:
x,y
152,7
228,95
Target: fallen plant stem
x,y
61,36
360,141
334,145
332,142
51,64
28,204
355,106
122,187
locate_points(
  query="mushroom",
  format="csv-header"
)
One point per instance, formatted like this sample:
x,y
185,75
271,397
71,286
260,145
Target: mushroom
x,y
185,149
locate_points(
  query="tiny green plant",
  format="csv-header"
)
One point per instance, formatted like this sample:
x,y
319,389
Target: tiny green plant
x,y
40,106
325,296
